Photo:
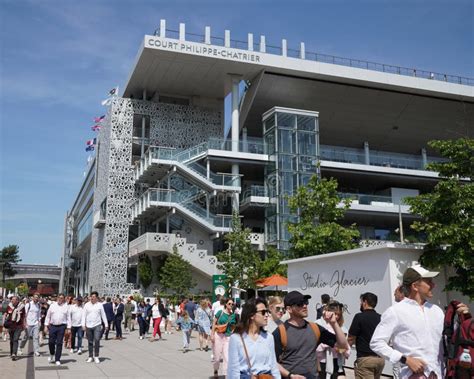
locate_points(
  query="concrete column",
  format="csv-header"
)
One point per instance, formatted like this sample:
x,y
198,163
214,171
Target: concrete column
x,y
235,133
142,150
424,158
208,169
163,28
207,205
367,153
167,223
227,38
250,42
207,35
302,51
245,145
283,48
263,47
182,32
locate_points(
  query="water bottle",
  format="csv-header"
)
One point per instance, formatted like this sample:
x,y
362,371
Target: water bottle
x,y
465,359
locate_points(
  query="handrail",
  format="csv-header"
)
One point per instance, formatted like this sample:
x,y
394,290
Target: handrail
x,y
332,59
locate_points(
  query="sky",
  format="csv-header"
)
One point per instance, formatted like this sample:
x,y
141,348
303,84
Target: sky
x,y
59,58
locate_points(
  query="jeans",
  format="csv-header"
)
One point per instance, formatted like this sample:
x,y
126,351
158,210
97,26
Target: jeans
x,y
56,336
142,325
76,330
118,327
31,331
93,338
186,338
14,337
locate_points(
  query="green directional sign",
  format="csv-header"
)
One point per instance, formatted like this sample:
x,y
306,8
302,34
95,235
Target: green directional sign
x,y
219,286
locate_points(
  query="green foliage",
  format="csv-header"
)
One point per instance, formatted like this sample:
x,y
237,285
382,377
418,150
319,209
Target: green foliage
x,y
270,264
9,255
137,297
239,261
448,215
22,289
175,275
145,271
317,230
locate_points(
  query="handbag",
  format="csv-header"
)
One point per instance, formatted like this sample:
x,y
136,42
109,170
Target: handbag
x,y
254,376
223,327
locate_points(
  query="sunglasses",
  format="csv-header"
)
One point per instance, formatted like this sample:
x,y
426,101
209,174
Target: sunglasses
x,y
264,312
301,303
230,303
280,309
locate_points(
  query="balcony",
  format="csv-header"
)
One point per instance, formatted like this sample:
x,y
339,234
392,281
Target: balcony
x,y
254,196
373,203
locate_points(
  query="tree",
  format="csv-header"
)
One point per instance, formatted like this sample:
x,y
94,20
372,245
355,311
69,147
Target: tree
x,y
317,230
175,275
270,265
9,256
22,289
145,271
447,214
239,261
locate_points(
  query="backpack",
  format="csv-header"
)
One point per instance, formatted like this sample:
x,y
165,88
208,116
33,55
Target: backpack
x,y
284,337
458,335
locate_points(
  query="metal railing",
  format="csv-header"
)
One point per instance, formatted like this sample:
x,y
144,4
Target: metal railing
x,y
325,58
366,199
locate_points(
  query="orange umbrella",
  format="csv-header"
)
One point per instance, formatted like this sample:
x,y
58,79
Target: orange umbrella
x,y
274,280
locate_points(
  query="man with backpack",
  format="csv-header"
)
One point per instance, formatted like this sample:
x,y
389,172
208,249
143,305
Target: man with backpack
x,y
414,326
296,339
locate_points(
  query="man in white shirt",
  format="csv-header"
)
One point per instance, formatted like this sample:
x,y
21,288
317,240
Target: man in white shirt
x,y
33,316
57,321
92,318
415,327
75,313
217,306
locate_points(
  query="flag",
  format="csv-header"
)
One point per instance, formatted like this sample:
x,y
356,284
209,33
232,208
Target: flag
x,y
90,148
112,93
99,119
91,142
95,128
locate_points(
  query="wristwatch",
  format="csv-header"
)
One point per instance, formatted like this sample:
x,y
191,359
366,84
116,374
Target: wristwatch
x,y
403,360
289,375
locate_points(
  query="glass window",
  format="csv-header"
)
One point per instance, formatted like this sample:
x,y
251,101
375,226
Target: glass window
x,y
307,164
286,120
285,141
270,142
269,123
306,143
287,162
306,123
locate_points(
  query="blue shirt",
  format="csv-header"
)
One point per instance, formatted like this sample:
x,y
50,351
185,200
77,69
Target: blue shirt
x,y
261,353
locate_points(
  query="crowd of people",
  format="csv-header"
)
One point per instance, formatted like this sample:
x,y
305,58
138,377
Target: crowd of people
x,y
262,339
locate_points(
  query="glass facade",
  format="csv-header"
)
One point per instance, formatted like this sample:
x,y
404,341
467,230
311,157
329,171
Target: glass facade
x,y
292,140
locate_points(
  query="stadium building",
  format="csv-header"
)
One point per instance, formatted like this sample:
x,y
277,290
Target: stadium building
x,y
206,126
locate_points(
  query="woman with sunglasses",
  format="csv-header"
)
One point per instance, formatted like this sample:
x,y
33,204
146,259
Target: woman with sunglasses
x,y
251,348
222,327
277,310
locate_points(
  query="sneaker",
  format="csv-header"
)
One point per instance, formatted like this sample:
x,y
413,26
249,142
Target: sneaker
x,y
90,360
96,360
37,354
79,351
71,351
141,337
19,352
13,357
58,363
51,359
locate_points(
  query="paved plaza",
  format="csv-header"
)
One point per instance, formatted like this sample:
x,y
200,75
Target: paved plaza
x,y
129,358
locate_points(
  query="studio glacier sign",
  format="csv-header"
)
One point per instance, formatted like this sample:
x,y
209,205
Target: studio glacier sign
x,y
337,281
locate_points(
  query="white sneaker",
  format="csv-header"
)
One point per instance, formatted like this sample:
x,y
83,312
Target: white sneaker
x,y
51,359
19,352
79,351
96,360
37,354
90,360
71,351
58,363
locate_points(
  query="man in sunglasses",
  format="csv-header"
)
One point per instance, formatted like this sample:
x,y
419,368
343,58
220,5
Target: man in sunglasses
x,y
296,339
414,326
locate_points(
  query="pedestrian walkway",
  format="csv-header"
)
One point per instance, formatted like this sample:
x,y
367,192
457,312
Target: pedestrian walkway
x,y
129,358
